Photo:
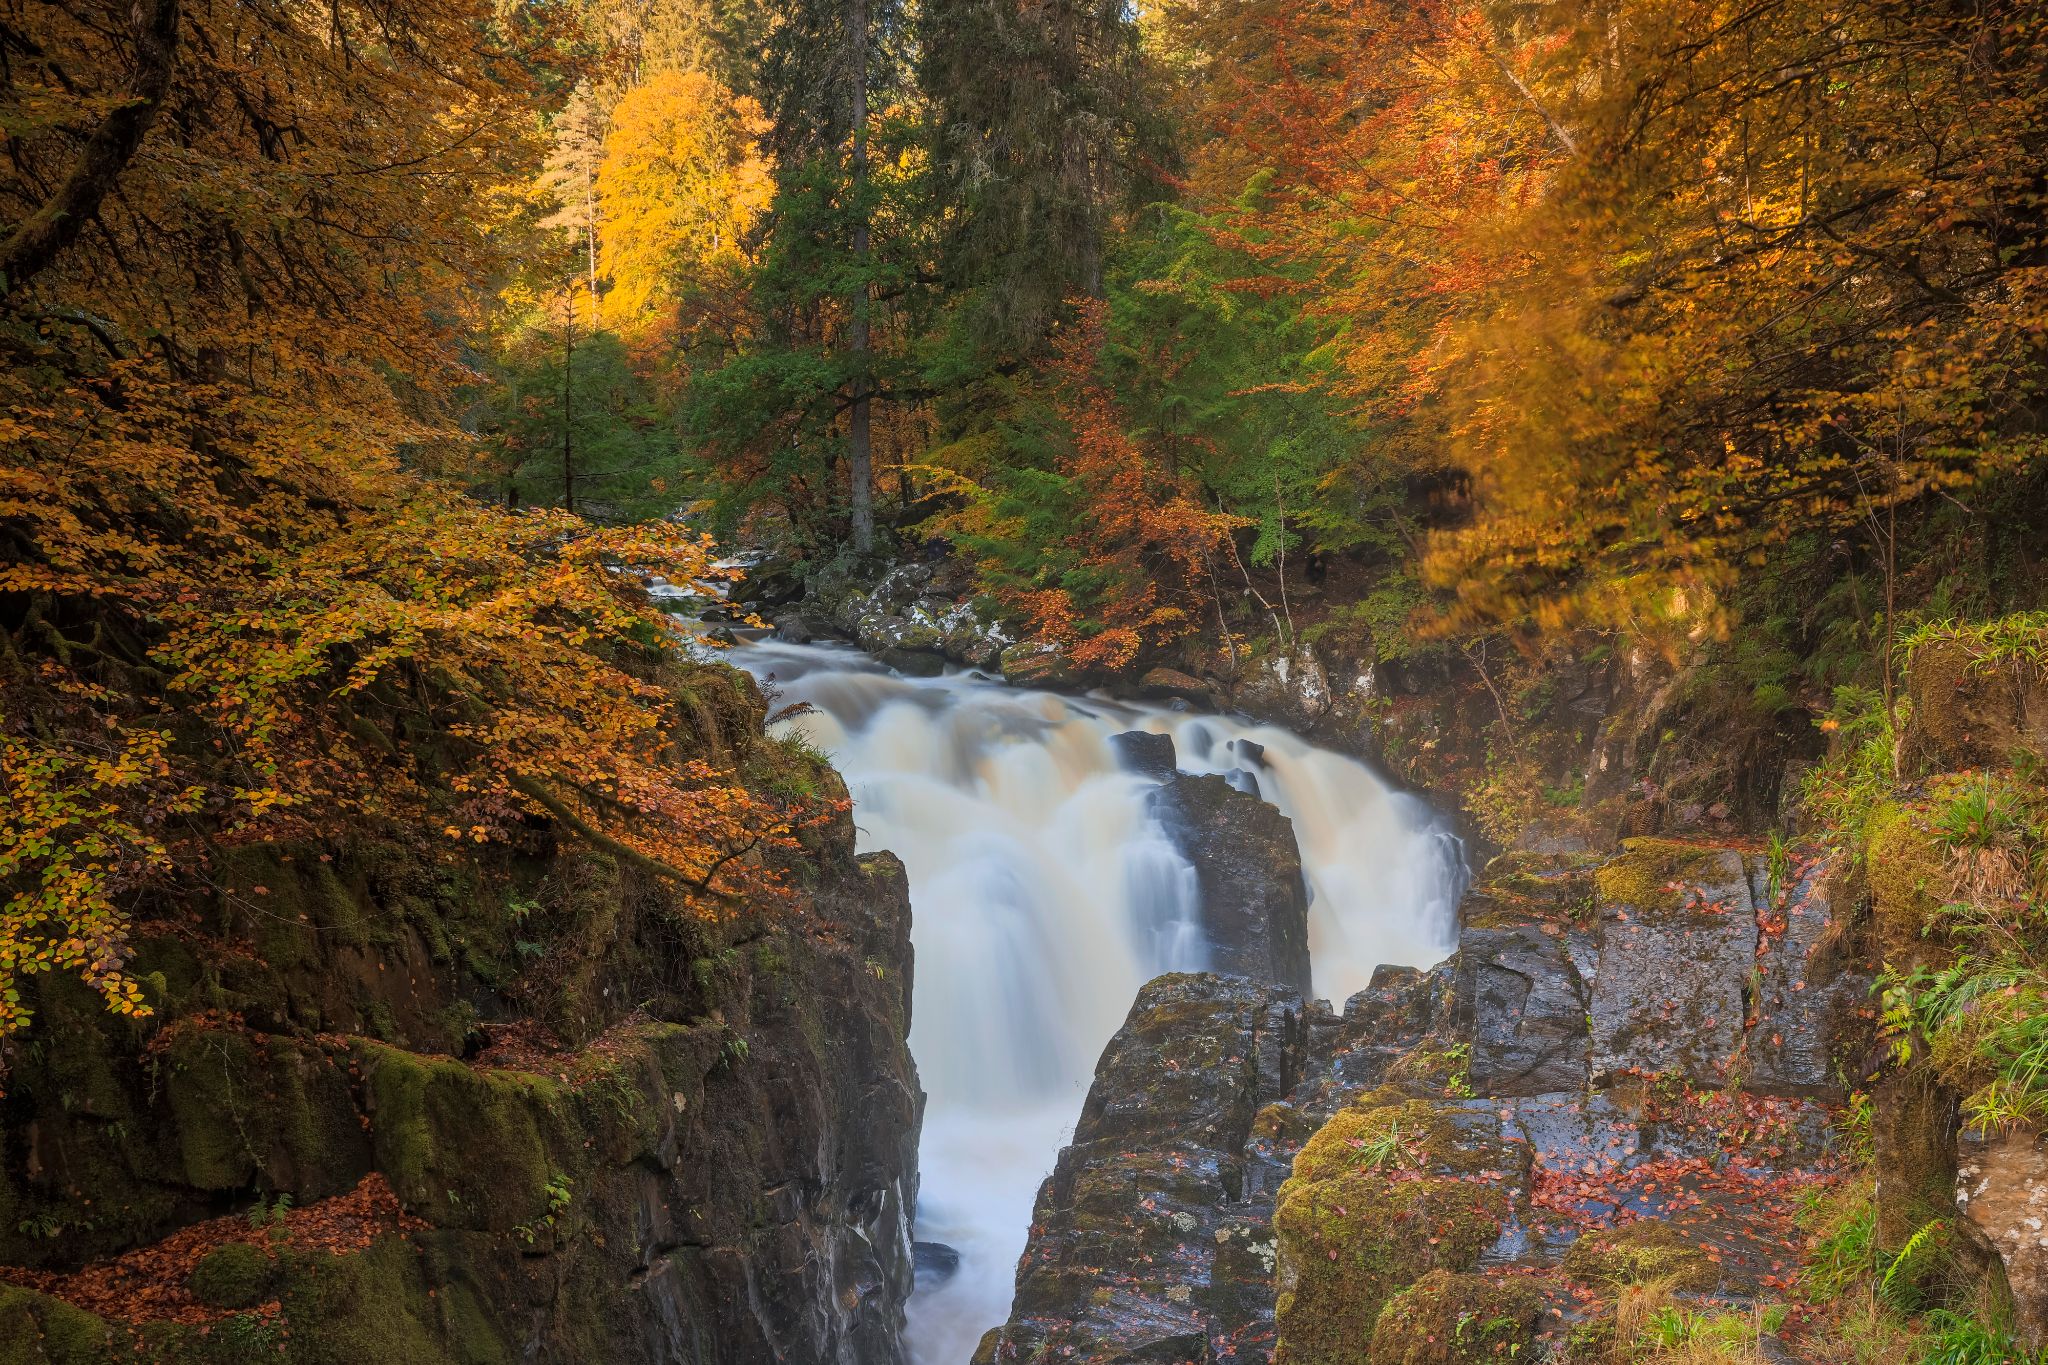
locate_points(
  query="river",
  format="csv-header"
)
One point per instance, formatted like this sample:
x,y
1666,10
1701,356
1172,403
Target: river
x,y
1043,895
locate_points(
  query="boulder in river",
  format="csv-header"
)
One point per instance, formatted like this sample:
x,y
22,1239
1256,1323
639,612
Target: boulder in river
x,y
1165,683
1254,898
1144,753
1151,1235
1035,663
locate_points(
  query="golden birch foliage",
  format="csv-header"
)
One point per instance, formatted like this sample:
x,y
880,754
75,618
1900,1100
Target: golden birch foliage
x,y
681,186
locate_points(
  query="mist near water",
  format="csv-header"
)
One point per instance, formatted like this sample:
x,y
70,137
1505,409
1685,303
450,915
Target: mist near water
x,y
1043,896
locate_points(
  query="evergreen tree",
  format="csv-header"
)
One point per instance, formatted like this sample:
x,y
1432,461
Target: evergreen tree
x,y
1041,127
839,263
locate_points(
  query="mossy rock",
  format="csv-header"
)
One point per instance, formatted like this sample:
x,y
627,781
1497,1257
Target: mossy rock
x,y
1451,1319
1909,880
465,1147
1654,874
1282,1122
1974,703
233,1275
1387,1191
245,1105
1647,1250
36,1329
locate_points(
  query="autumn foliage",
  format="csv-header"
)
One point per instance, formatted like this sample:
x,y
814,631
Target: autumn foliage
x,y
1671,283
231,608
1131,560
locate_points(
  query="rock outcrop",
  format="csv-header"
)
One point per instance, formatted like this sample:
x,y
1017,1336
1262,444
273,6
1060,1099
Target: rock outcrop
x,y
917,618
1254,898
1152,1240
475,1111
1498,1141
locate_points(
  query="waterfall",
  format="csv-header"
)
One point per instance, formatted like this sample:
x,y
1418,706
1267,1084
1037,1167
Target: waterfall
x,y
1044,894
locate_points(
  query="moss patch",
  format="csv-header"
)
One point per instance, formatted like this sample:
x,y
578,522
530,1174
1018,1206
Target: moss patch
x,y
463,1147
232,1275
1654,874
1908,881
1451,1319
1389,1190
38,1330
1636,1253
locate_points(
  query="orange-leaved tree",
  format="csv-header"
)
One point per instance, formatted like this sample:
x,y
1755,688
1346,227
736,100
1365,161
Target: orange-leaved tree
x,y
241,251
681,186
1103,549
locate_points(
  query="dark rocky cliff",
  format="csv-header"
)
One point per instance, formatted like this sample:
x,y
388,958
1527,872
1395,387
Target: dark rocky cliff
x,y
395,1107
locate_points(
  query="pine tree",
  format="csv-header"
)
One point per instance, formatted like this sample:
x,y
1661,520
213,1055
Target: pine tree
x,y
1040,129
840,259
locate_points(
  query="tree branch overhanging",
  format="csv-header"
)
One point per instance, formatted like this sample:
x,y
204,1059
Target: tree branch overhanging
x,y
41,237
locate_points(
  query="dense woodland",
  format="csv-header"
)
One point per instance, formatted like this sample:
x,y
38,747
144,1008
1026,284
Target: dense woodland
x,y
359,358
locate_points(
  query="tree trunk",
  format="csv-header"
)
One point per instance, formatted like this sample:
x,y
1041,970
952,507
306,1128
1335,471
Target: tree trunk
x,y
568,366
860,457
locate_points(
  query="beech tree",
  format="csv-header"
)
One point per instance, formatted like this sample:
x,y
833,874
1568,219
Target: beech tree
x,y
245,246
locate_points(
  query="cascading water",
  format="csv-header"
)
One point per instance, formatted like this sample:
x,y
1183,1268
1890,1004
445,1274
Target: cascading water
x,y
1044,895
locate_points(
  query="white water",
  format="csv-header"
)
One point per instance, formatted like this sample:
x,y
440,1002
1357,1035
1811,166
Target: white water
x,y
1043,896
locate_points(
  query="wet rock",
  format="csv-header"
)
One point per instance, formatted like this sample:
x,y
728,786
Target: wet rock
x,y
1169,682
1254,898
911,663
1144,753
1812,1024
1153,1240
1150,1239
773,582
1034,663
2002,1187
1678,941
935,1263
1521,1003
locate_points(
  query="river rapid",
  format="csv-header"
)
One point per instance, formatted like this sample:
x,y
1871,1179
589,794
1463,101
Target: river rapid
x,y
1044,895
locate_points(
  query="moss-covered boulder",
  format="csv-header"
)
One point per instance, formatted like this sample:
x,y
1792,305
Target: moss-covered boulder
x,y
233,1275
1978,695
1642,1252
1389,1190
1034,663
1451,1319
36,1329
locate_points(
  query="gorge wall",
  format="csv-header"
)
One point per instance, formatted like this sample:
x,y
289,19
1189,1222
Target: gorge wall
x,y
395,1106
